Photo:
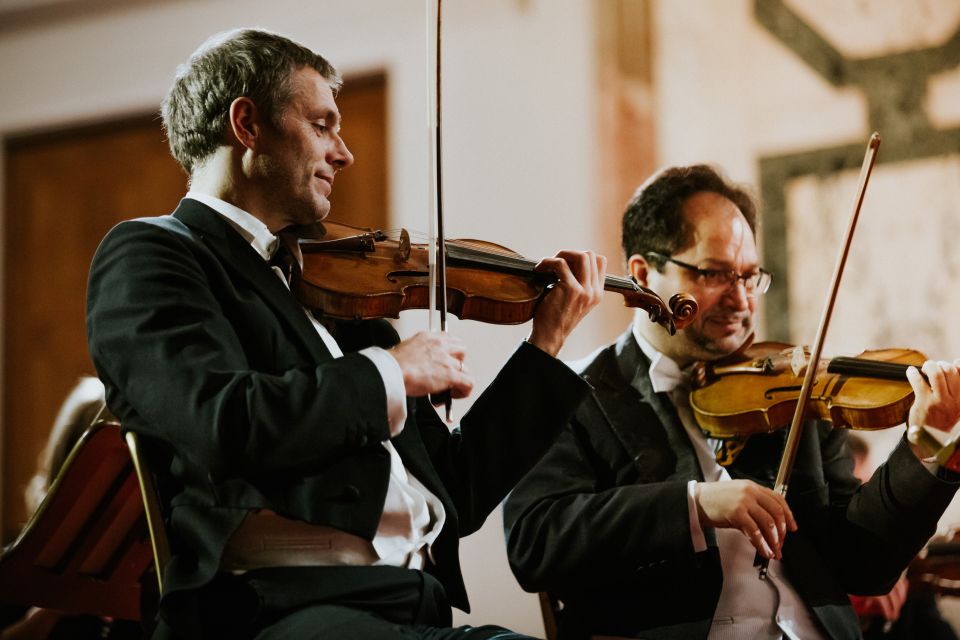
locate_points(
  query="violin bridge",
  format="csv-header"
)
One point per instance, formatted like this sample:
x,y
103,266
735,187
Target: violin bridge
x,y
798,361
403,247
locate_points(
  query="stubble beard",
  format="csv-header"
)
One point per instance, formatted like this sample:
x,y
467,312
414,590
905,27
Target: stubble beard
x,y
706,348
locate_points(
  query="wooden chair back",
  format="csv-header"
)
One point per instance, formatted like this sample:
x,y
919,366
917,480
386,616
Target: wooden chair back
x,y
88,545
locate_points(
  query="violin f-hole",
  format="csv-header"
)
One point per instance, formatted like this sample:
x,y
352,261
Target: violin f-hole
x,y
769,393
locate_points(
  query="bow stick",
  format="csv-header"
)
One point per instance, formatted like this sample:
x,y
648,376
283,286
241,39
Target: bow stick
x,y
796,426
437,251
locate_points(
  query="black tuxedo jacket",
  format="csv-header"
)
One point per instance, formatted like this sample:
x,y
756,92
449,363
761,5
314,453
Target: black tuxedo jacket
x,y
602,521
208,357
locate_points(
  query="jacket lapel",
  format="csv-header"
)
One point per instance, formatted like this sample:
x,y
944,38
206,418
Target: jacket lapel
x,y
645,422
237,256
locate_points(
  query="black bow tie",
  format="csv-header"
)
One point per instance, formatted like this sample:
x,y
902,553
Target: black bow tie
x,y
283,259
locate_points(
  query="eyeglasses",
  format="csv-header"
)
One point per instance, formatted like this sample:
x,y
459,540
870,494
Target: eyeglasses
x,y
755,283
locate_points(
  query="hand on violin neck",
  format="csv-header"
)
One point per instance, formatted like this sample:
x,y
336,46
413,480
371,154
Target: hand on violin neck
x,y
762,515
579,288
432,362
936,401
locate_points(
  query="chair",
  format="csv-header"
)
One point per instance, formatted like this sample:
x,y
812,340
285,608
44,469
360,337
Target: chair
x,y
151,508
548,609
88,545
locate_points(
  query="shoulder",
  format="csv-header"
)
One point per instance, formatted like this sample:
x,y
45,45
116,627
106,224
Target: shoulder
x,y
595,364
132,237
155,228
156,242
142,256
581,364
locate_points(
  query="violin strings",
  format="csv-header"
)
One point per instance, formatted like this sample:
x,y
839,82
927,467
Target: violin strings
x,y
465,252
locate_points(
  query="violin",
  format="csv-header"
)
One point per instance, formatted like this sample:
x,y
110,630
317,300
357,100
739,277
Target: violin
x,y
356,273
756,390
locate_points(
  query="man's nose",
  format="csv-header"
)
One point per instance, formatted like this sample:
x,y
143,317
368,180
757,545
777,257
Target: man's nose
x,y
342,157
736,294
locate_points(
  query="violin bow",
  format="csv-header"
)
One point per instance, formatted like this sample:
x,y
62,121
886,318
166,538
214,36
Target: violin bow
x,y
796,426
437,244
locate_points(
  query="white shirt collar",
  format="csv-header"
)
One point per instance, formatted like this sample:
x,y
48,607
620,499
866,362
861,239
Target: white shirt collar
x,y
247,225
665,374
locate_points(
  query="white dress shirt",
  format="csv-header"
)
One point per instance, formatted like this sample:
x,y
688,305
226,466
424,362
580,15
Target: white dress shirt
x,y
748,607
412,516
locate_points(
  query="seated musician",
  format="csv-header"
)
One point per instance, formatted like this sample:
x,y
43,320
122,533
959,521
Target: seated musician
x,y
307,497
633,525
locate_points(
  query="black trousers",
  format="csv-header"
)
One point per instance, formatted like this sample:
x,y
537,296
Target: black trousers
x,y
344,623
355,603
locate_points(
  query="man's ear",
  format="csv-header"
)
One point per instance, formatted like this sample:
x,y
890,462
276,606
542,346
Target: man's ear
x,y
639,268
245,122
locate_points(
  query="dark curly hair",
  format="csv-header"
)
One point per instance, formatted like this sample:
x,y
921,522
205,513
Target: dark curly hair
x,y
654,221
245,62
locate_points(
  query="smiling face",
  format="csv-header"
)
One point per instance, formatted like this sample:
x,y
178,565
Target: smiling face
x,y
721,239
297,159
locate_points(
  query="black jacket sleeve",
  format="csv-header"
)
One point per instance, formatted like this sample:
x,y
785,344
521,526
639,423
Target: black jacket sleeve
x,y
202,365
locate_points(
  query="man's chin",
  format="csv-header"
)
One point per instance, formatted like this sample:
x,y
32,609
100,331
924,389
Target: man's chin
x,y
723,345
306,223
316,216
323,211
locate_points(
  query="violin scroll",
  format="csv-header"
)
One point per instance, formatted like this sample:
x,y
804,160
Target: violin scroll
x,y
684,308
676,314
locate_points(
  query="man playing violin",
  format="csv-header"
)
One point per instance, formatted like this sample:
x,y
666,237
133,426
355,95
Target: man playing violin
x,y
310,490
630,522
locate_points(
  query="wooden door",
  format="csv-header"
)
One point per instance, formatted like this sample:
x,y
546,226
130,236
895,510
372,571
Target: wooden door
x,y
64,191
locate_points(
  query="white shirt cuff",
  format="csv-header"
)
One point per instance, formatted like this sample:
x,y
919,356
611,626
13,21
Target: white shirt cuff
x,y
696,531
392,376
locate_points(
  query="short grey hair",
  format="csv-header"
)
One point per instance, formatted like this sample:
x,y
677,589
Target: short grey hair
x,y
245,62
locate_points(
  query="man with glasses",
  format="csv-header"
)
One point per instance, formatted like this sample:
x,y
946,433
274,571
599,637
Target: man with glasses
x,y
631,524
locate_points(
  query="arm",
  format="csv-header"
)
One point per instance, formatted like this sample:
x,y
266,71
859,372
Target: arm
x,y
513,422
870,533
195,360
507,430
936,405
875,530
568,522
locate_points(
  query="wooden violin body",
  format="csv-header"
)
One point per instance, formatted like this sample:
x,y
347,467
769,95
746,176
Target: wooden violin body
x,y
354,273
383,277
757,390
